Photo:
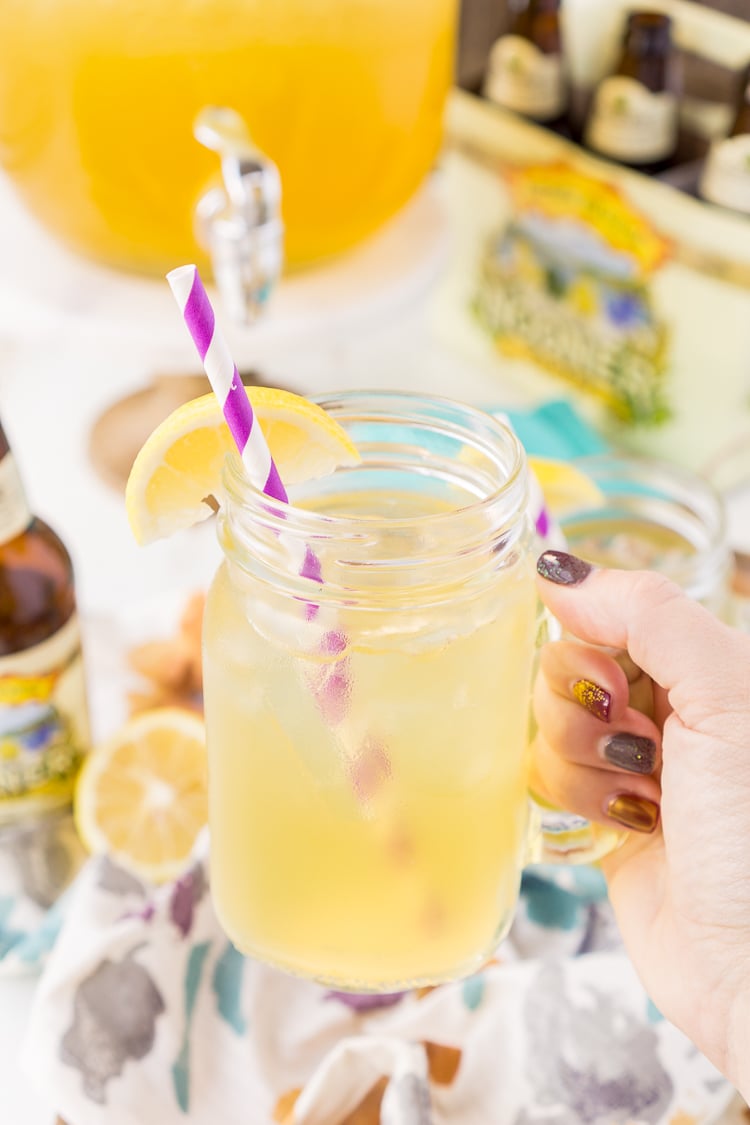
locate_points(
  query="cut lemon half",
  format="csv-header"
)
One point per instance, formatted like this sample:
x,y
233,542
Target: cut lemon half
x,y
141,797
565,487
178,469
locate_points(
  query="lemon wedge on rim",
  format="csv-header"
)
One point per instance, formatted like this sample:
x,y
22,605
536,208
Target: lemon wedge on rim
x,y
178,469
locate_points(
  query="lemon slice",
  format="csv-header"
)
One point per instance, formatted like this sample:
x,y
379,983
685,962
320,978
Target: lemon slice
x,y
141,797
178,469
565,488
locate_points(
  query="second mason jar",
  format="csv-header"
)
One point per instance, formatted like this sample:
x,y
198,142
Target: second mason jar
x,y
647,514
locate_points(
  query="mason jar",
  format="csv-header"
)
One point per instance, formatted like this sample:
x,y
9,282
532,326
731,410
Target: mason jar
x,y
653,515
368,655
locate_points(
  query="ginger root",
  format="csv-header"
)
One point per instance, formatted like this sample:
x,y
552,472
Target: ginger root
x,y
171,668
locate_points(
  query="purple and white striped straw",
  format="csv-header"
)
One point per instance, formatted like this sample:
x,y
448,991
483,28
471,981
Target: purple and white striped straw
x,y
222,374
224,378
332,690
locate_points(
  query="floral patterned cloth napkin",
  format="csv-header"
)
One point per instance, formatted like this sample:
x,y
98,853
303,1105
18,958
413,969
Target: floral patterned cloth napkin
x,y
147,1013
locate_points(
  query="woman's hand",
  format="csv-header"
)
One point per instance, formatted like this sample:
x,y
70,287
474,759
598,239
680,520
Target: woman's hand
x,y
679,777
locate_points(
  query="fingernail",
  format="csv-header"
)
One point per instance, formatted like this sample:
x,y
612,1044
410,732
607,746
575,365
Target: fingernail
x,y
637,813
630,752
562,569
594,698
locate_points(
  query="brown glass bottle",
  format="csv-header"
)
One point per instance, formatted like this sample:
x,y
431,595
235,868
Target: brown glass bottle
x,y
741,123
43,718
634,112
725,179
526,69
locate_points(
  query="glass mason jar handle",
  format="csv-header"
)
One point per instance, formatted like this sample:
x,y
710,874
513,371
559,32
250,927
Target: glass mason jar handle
x,y
565,838
559,837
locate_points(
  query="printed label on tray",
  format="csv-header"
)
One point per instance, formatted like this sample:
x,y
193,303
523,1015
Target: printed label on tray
x,y
567,285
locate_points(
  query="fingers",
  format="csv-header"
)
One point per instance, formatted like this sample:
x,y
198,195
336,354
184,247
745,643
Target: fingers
x,y
596,677
669,635
602,795
629,741
590,675
594,754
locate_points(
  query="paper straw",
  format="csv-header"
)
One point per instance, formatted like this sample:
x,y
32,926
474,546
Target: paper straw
x,y
332,689
222,374
332,692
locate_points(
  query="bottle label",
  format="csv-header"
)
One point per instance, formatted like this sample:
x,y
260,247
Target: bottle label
x,y
726,178
43,723
629,122
15,516
522,78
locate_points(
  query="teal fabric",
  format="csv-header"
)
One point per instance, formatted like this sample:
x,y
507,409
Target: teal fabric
x,y
554,429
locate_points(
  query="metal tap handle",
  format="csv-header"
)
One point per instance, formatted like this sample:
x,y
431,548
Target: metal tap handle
x,y
240,223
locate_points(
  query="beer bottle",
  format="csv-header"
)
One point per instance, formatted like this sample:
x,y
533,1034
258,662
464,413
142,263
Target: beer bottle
x,y
726,173
634,112
526,71
43,714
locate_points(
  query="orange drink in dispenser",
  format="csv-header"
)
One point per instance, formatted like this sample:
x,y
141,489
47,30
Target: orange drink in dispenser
x,y
98,101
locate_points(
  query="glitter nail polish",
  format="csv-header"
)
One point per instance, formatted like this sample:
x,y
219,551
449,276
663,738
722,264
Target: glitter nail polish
x,y
594,698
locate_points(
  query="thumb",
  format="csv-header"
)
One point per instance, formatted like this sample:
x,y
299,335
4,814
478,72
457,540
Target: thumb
x,y
673,638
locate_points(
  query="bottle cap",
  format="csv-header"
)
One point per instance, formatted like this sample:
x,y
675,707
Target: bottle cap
x,y
239,222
